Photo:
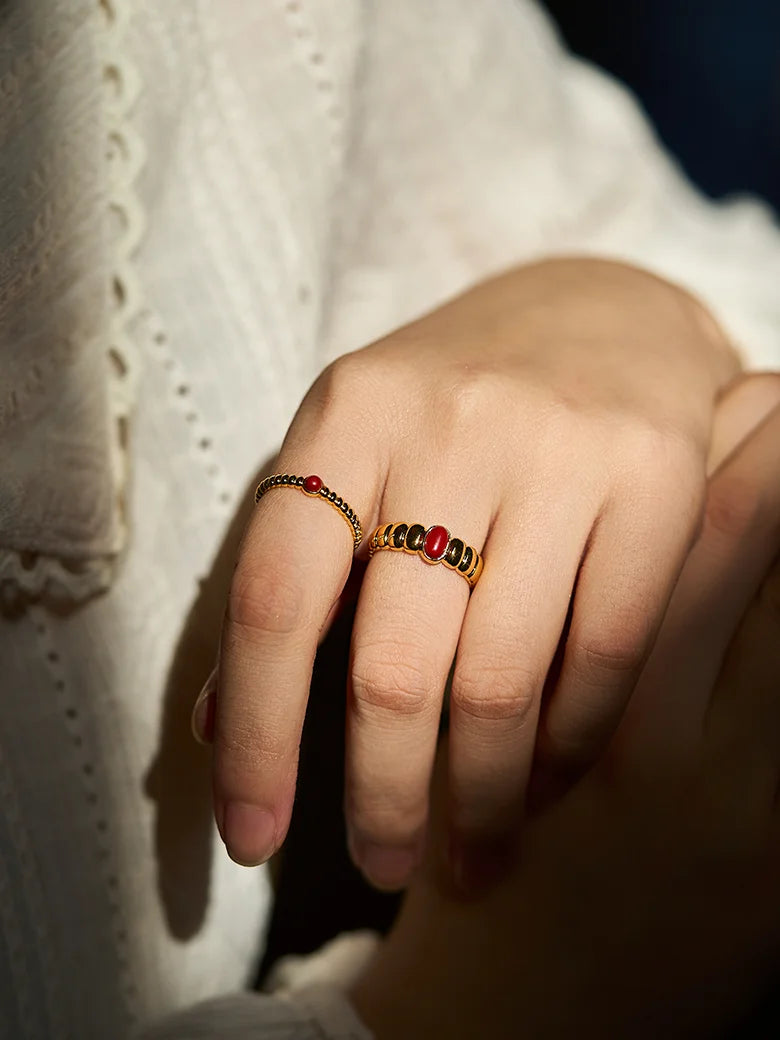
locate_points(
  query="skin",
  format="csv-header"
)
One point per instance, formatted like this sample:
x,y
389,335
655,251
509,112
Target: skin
x,y
558,418
645,902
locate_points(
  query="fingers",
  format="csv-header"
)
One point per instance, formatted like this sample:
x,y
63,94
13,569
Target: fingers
x,y
743,718
276,605
512,626
738,539
292,567
635,556
405,634
743,713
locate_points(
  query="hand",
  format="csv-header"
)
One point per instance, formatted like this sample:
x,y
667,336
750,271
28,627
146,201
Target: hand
x,y
645,902
559,417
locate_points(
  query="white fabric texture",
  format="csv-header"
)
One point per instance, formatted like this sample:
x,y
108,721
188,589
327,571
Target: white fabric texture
x,y
68,224
390,159
318,1013
339,962
311,174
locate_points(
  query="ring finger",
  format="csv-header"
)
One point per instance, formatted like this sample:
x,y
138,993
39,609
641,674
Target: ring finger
x,y
512,628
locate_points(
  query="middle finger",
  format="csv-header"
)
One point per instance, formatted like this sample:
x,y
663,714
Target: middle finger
x,y
406,630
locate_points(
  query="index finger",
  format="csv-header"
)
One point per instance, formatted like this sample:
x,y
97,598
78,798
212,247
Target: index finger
x,y
293,563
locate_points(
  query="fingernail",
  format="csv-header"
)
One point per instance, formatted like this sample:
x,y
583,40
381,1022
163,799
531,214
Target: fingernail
x,y
202,718
248,832
385,867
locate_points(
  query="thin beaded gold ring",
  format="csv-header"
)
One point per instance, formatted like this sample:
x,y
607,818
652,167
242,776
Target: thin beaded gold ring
x,y
432,544
314,488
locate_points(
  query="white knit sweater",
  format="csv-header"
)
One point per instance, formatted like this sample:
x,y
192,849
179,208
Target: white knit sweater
x,y
201,204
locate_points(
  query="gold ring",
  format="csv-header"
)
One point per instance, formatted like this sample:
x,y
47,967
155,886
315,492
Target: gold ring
x,y
314,488
433,544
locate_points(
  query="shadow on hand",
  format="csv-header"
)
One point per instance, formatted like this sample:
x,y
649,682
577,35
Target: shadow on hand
x,y
319,892
179,778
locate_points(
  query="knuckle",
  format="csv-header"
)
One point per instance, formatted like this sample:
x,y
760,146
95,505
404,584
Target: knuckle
x,y
665,458
495,693
648,445
387,685
342,386
563,417
598,657
469,392
336,379
472,390
273,605
250,750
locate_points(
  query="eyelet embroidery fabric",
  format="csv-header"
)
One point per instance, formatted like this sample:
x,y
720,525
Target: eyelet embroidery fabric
x,y
125,156
67,368
406,231
202,438
88,761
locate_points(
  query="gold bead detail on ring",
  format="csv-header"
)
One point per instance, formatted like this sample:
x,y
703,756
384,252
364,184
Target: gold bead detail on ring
x,y
314,488
432,544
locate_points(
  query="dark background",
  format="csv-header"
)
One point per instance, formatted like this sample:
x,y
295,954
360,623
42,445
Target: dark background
x,y
708,73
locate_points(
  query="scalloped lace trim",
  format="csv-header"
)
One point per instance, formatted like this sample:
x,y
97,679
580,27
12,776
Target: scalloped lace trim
x,y
67,581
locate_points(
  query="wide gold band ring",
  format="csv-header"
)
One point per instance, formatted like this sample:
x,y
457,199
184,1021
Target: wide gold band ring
x,y
433,544
314,488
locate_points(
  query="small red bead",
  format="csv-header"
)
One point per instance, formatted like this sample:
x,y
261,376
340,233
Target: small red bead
x,y
435,544
312,484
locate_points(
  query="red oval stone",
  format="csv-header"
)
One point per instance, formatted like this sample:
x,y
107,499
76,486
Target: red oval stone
x,y
435,544
312,484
